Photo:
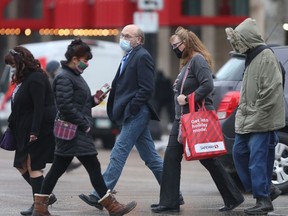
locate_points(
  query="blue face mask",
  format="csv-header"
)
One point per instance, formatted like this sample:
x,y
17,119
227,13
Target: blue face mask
x,y
125,45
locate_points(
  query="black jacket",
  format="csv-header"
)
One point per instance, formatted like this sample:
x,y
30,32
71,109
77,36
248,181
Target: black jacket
x,y
33,112
74,103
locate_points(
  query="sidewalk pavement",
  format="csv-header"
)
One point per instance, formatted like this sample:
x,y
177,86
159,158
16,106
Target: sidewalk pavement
x,y
136,183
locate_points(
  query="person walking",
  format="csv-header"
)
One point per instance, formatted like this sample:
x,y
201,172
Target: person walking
x,y
260,114
129,106
52,69
31,120
74,103
193,54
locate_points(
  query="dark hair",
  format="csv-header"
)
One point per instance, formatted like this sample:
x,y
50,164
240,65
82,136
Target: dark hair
x,y
24,62
79,49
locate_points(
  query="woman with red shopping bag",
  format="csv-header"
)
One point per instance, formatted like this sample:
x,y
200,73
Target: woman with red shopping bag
x,y
195,70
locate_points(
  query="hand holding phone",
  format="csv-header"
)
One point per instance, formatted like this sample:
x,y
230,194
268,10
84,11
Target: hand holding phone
x,y
101,94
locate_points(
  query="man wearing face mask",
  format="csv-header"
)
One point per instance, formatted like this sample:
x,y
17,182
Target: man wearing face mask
x,y
259,115
129,106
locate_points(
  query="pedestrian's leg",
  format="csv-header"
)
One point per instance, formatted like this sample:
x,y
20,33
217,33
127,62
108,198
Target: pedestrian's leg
x,y
241,156
170,185
57,169
147,151
258,163
229,191
93,167
130,132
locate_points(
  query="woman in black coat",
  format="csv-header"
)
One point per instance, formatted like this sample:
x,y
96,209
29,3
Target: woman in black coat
x,y
74,103
32,117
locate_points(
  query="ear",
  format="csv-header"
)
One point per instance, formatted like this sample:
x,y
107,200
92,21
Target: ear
x,y
74,59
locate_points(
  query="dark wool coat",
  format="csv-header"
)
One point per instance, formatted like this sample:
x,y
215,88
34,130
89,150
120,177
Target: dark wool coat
x,y
132,88
33,112
74,103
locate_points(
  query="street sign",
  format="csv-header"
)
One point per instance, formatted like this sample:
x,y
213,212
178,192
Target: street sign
x,y
147,21
150,4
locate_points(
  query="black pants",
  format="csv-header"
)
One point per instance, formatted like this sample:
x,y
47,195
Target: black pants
x,y
59,166
169,191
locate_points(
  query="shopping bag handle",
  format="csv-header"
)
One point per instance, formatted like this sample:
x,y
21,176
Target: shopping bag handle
x,y
191,101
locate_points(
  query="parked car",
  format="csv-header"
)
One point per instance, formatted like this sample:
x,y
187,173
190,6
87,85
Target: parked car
x,y
227,83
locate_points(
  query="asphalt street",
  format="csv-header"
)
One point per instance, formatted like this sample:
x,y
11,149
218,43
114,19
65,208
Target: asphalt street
x,y
136,183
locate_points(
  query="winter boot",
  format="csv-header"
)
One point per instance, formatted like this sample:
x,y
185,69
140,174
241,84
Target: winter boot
x,y
41,205
274,192
263,206
114,207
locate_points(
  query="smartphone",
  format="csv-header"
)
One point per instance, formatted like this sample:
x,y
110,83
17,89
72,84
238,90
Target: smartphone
x,y
103,91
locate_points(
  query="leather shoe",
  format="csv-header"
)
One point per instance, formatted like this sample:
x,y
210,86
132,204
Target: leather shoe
x,y
164,209
263,206
52,199
28,211
274,192
230,206
91,200
181,202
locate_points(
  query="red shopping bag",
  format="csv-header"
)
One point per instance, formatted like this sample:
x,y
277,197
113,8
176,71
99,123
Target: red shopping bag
x,y
202,134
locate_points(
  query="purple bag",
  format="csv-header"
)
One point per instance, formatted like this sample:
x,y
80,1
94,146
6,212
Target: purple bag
x,y
64,130
7,141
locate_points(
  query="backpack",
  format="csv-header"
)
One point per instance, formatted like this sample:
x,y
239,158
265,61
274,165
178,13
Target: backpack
x,y
254,52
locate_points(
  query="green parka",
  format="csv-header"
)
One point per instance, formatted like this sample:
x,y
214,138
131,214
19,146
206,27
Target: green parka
x,y
261,106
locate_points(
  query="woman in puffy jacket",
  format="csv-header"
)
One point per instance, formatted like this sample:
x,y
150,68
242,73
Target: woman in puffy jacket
x,y
74,103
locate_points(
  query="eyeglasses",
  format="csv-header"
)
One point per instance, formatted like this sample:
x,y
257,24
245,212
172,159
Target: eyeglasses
x,y
127,36
176,45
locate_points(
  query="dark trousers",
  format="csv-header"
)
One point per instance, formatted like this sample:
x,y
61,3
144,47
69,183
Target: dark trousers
x,y
169,191
59,166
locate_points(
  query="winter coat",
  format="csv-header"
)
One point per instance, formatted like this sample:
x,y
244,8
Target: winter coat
x,y
33,112
199,80
74,103
261,106
133,87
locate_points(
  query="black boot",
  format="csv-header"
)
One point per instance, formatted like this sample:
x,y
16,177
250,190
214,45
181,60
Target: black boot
x,y
274,192
263,206
28,211
181,202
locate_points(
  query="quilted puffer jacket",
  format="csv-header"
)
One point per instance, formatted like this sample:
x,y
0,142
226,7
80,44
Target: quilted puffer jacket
x,y
74,103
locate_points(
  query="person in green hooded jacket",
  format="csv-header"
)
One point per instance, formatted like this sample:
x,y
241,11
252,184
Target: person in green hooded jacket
x,y
260,114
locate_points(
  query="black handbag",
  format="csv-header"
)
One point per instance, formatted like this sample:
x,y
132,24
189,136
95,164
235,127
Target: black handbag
x,y
7,141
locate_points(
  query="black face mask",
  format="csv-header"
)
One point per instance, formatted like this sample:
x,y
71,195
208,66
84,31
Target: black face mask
x,y
178,52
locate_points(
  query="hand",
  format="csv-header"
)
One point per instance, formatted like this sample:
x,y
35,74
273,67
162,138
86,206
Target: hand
x,y
33,138
181,99
99,97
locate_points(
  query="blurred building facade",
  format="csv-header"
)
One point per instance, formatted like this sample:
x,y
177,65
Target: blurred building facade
x,y
26,21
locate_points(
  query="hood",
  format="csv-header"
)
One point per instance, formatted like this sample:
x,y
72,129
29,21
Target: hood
x,y
245,36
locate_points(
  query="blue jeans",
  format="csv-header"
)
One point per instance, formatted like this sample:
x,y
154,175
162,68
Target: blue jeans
x,y
253,156
134,132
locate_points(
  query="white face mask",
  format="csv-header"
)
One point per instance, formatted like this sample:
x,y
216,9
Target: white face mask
x,y
125,45
13,70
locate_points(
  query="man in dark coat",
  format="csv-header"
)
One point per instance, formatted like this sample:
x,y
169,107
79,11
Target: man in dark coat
x,y
129,106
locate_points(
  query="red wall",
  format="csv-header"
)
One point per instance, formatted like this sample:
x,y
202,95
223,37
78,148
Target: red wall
x,y
107,14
